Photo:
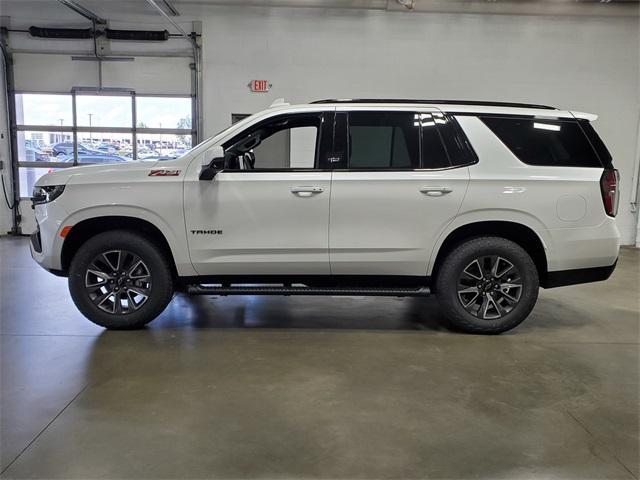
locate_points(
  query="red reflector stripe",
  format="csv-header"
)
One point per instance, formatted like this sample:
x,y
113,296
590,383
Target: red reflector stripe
x,y
65,231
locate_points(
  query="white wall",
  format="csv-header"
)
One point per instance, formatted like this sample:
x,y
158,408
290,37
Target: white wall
x,y
589,64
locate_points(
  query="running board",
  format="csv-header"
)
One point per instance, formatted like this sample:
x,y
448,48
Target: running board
x,y
331,291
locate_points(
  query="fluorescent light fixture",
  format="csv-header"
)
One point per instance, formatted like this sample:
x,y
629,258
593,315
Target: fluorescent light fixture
x,y
546,126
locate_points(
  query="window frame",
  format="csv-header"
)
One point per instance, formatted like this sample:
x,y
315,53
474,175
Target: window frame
x,y
347,134
572,121
341,140
533,118
325,130
74,129
453,129
442,142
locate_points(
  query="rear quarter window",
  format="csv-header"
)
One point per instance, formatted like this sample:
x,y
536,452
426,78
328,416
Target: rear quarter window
x,y
556,143
597,143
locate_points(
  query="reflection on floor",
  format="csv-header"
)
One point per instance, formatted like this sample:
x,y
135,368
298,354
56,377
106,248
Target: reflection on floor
x,y
311,387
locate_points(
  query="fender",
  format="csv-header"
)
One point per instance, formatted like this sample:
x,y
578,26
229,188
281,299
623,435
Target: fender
x,y
488,215
176,238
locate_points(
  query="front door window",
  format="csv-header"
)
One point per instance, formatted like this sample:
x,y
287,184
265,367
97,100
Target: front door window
x,y
283,143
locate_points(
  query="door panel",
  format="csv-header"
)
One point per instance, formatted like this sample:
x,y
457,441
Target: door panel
x,y
386,222
271,223
267,212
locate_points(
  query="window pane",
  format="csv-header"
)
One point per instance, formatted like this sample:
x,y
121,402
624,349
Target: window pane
x,y
163,112
302,147
28,177
103,111
433,153
544,142
155,146
100,147
383,140
284,142
44,146
273,152
596,143
455,141
290,148
40,109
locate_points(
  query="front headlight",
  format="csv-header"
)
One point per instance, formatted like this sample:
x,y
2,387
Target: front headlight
x,y
46,194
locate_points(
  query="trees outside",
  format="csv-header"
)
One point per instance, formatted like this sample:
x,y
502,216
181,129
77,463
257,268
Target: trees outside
x,y
184,123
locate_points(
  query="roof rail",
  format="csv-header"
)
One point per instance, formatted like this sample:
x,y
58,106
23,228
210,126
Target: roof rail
x,y
437,102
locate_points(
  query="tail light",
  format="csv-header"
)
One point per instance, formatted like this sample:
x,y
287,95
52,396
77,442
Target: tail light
x,y
609,187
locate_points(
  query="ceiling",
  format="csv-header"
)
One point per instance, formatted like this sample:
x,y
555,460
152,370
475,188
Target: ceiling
x,y
51,11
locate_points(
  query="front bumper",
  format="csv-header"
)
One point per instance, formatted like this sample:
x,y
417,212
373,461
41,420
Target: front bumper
x,y
36,241
46,243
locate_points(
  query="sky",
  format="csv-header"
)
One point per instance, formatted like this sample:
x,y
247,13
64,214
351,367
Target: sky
x,y
106,111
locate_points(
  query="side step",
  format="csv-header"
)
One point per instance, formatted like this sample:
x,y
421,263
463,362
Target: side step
x,y
302,290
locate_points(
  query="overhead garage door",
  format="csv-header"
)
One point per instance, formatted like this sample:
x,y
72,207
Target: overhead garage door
x,y
143,110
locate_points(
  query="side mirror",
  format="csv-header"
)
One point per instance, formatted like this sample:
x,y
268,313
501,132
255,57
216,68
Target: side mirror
x,y
212,162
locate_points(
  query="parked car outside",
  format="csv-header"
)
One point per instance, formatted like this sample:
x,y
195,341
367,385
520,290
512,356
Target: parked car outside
x,y
35,155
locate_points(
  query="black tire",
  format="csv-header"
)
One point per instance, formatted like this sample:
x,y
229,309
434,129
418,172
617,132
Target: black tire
x,y
456,281
142,294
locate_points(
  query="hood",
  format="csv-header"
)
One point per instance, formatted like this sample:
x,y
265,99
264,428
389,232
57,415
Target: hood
x,y
86,172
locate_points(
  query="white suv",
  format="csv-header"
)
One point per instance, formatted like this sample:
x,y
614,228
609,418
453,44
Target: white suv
x,y
481,203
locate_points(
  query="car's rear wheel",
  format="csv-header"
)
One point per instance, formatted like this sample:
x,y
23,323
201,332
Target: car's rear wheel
x,y
120,280
487,285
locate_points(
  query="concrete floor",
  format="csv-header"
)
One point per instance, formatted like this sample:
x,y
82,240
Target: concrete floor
x,y
305,387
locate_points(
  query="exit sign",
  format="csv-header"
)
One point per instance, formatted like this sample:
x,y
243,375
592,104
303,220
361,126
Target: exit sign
x,y
259,86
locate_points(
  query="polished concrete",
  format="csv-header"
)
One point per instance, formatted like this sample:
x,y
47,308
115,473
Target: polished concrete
x,y
306,387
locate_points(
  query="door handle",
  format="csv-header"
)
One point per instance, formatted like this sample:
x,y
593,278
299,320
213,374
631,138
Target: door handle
x,y
306,191
435,191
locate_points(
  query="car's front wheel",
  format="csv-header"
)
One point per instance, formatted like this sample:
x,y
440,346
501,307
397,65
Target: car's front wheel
x,y
487,285
120,280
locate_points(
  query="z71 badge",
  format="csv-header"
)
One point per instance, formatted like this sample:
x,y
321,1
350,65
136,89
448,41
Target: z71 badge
x,y
164,173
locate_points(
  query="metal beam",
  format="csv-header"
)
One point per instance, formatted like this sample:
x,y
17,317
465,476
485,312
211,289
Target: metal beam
x,y
80,10
173,22
176,54
168,6
7,62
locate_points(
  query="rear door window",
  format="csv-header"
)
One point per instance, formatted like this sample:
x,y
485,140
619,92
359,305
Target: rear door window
x,y
434,155
560,143
455,141
383,140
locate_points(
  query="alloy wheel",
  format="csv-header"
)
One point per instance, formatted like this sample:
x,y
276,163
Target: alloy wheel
x,y
118,282
490,287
